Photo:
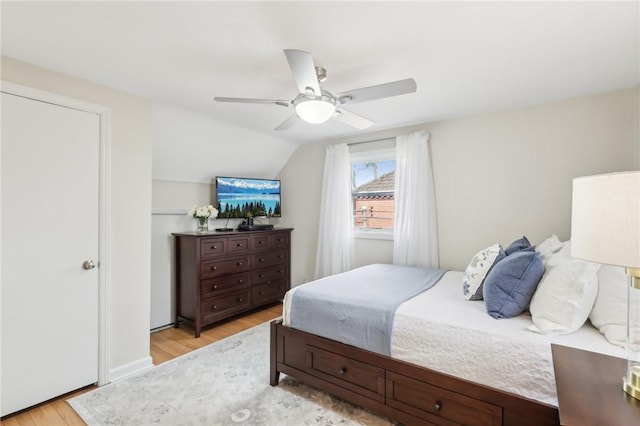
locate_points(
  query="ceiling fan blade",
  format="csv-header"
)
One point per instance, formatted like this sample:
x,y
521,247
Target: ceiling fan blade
x,y
289,122
352,119
379,91
253,101
303,69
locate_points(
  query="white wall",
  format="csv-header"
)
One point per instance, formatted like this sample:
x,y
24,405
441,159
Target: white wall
x,y
189,147
497,176
170,203
130,210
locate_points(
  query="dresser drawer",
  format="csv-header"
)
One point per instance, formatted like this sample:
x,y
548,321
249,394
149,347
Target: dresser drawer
x,y
223,306
271,273
424,400
261,241
280,240
226,266
264,293
238,245
270,258
212,247
214,286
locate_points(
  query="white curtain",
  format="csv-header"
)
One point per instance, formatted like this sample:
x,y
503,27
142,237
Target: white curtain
x,y
415,228
335,233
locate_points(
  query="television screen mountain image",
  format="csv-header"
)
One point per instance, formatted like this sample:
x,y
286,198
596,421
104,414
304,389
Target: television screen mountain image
x,y
247,197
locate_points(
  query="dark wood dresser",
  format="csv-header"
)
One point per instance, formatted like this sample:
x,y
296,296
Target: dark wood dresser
x,y
221,274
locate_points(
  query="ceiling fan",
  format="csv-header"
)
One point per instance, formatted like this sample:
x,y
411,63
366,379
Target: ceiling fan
x,y
316,105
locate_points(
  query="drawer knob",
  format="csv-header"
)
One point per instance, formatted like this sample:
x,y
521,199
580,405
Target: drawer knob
x,y
342,370
261,260
437,406
239,263
213,268
268,281
280,287
260,242
261,275
239,244
260,293
214,247
240,281
214,307
215,287
279,256
239,299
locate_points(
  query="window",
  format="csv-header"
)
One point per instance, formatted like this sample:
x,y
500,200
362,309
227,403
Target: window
x,y
372,192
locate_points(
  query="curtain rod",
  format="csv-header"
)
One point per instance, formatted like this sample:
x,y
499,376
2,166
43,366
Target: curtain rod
x,y
371,141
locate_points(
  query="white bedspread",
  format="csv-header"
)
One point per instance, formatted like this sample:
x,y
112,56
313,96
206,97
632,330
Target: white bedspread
x,y
440,330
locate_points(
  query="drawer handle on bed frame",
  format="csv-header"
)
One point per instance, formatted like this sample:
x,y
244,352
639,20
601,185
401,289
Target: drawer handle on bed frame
x,y
437,406
342,370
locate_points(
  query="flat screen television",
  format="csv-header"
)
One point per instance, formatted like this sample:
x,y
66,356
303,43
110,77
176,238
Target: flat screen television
x,y
247,197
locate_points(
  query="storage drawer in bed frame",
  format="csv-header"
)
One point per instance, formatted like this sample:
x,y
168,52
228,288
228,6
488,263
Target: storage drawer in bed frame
x,y
401,391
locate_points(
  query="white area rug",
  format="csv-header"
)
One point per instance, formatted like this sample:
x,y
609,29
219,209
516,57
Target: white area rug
x,y
225,383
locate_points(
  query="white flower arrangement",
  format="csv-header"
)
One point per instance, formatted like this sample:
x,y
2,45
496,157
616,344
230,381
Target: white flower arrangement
x,y
203,212
202,215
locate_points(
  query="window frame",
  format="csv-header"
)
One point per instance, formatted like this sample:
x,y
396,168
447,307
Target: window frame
x,y
369,156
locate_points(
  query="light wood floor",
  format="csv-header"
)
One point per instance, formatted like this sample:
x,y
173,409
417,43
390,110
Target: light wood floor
x,y
165,345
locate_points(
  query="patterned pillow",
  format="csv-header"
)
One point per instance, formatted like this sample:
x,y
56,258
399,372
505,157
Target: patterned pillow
x,y
478,269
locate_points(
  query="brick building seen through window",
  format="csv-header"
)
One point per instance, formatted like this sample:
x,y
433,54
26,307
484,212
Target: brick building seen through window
x,y
374,204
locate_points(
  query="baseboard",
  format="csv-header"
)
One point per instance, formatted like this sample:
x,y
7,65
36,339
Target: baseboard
x,y
131,368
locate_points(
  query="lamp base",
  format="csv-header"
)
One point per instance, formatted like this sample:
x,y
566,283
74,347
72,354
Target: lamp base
x,y
631,383
631,380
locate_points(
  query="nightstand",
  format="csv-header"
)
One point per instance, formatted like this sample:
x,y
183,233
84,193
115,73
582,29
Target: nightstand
x,y
590,391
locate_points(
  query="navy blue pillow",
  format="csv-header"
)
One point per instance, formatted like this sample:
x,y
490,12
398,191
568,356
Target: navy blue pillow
x,y
518,245
509,286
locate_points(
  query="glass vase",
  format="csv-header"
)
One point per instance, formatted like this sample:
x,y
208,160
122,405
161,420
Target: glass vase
x,y
203,225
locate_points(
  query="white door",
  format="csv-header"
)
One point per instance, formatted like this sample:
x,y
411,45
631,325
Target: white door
x,y
50,193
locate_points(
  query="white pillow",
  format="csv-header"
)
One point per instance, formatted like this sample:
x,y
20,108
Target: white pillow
x,y
565,295
477,270
548,248
609,313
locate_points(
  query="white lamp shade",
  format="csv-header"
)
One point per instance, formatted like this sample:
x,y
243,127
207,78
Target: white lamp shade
x,y
315,110
605,219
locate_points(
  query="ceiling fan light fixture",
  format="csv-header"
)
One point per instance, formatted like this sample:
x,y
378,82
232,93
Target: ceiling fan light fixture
x,y
316,109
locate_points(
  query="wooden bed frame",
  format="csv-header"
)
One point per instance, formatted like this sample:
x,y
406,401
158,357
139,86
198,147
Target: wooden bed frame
x,y
399,390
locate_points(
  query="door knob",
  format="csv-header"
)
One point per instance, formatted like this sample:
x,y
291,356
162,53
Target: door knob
x,y
88,264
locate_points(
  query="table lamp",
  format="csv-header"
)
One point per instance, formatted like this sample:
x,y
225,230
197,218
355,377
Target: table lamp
x,y
605,228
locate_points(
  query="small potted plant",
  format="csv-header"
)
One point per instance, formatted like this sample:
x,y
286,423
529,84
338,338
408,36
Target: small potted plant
x,y
202,214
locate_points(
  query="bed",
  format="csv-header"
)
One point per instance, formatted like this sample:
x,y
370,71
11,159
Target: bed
x,y
448,362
